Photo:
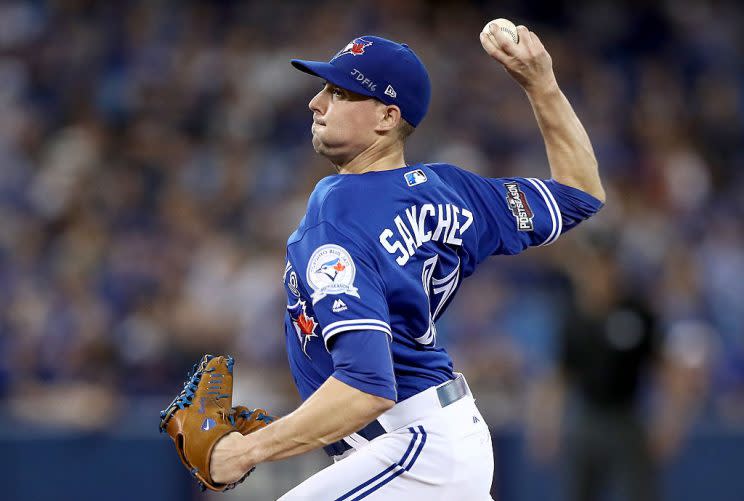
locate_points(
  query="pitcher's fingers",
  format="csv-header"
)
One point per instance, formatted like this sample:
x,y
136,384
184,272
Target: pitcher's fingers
x,y
492,38
493,49
525,38
504,41
536,41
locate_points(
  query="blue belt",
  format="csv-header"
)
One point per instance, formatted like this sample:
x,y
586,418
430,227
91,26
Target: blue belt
x,y
448,393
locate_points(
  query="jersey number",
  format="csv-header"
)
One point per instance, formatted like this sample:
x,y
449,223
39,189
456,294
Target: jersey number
x,y
439,291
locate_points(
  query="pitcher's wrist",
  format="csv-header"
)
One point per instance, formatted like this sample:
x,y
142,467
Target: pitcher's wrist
x,y
543,90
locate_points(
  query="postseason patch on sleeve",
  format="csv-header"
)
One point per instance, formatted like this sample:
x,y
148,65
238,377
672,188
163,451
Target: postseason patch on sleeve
x,y
519,206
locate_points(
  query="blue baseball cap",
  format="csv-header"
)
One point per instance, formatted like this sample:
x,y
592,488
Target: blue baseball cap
x,y
373,66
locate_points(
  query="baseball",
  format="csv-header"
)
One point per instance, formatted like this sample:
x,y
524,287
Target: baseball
x,y
505,26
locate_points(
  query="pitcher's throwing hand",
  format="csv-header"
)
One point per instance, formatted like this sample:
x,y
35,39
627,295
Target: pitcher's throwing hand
x,y
526,60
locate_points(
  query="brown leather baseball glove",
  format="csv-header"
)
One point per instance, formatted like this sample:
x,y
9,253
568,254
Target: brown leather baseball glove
x,y
247,420
202,414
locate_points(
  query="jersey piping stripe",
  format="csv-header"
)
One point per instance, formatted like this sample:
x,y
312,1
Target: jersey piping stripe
x,y
360,323
550,207
360,327
354,321
393,471
555,212
557,209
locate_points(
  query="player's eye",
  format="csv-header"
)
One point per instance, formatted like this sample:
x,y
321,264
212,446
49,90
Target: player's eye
x,y
337,92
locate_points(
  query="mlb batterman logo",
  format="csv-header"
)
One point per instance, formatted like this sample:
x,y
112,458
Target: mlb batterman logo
x,y
415,177
331,271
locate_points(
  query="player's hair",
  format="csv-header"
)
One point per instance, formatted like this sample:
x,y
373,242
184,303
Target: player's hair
x,y
404,130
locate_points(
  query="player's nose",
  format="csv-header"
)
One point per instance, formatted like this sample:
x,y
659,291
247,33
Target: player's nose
x,y
316,102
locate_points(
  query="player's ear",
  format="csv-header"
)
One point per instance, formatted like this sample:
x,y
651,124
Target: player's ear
x,y
389,118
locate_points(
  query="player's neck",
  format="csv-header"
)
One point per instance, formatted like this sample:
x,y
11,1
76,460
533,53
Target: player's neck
x,y
374,159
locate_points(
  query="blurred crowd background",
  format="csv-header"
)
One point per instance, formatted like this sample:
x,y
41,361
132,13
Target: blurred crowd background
x,y
155,155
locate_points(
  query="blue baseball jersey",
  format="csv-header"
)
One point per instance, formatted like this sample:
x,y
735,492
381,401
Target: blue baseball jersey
x,y
383,253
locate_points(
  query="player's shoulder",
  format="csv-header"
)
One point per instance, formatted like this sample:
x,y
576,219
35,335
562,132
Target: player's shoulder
x,y
365,196
336,196
318,197
358,204
449,171
341,206
374,194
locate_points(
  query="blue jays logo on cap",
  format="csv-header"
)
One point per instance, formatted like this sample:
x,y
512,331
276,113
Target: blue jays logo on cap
x,y
355,48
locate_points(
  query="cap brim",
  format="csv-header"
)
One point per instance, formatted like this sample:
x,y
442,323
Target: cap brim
x,y
331,74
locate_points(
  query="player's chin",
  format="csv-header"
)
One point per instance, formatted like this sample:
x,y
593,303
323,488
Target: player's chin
x,y
317,130
322,142
318,145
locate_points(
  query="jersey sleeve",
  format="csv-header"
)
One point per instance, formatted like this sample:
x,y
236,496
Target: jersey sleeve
x,y
345,288
362,359
517,213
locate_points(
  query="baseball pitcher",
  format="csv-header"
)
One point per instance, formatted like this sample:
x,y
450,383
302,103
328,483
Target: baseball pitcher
x,y
377,258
